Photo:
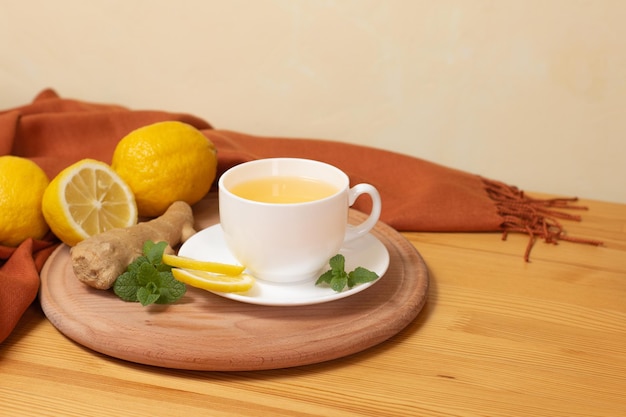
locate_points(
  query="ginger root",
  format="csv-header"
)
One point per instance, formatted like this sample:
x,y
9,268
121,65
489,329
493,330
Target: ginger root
x,y
99,260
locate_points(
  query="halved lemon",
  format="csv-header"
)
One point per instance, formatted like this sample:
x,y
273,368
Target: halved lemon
x,y
85,199
214,282
214,267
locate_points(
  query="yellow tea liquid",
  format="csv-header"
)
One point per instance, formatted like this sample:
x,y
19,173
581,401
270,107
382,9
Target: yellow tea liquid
x,y
283,190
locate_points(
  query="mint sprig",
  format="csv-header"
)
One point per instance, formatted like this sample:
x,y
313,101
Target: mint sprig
x,y
148,280
338,278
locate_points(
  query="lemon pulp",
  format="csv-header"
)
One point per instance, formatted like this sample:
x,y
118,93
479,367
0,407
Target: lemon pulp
x,y
85,199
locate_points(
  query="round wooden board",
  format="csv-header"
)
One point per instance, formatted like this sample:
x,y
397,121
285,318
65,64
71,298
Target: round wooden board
x,y
204,331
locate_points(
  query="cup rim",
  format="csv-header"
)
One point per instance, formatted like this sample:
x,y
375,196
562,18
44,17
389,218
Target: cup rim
x,y
223,188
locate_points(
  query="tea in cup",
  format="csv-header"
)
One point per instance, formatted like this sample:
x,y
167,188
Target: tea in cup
x,y
284,218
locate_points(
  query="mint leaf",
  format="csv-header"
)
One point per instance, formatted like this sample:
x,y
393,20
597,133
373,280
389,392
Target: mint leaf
x,y
134,266
126,286
148,280
154,251
337,263
338,279
326,277
147,274
147,295
171,289
360,276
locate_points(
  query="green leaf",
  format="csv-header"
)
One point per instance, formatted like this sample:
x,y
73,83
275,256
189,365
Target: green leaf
x,y
339,282
154,251
146,297
360,276
136,264
338,278
147,273
126,286
163,267
325,277
337,262
171,289
147,280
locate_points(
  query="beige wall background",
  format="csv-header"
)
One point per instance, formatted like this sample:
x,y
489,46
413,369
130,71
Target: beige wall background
x,y
530,92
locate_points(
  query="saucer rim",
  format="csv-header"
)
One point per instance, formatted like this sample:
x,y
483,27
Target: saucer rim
x,y
264,301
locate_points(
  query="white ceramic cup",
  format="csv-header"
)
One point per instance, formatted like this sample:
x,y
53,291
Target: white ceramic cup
x,y
292,242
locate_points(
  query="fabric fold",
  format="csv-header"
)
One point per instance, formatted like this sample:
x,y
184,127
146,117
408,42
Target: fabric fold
x,y
417,195
19,278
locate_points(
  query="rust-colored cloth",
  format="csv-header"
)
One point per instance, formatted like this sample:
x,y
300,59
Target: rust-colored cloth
x,y
417,195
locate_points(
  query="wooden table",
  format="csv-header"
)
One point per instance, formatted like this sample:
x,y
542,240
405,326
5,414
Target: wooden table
x,y
497,337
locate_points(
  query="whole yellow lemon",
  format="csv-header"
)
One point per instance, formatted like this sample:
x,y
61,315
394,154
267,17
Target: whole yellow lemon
x,y
22,184
165,162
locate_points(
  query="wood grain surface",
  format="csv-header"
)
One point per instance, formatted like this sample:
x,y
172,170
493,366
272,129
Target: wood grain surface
x,y
497,337
203,331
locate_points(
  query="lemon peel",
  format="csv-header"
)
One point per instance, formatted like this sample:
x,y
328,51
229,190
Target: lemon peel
x,y
214,282
22,185
206,266
164,162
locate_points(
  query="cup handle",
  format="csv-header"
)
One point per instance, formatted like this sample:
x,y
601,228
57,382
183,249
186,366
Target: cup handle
x,y
353,232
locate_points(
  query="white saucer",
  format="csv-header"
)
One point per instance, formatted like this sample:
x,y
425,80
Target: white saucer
x,y
367,252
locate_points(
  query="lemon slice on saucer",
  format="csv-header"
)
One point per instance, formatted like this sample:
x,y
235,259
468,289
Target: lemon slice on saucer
x,y
214,282
214,267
